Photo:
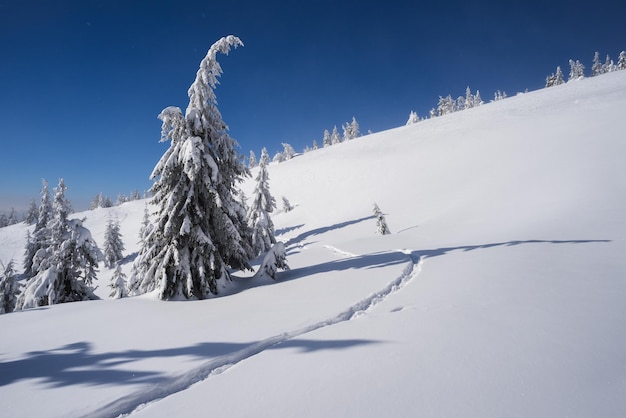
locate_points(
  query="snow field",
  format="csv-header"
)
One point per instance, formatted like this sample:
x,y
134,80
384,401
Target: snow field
x,y
500,292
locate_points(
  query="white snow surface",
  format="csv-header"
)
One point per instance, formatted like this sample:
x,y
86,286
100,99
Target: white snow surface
x,y
500,293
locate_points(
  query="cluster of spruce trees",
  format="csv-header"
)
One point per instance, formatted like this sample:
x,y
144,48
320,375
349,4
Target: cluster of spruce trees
x,y
203,227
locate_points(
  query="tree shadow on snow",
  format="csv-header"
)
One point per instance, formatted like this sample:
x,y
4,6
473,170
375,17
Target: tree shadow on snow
x,y
78,364
317,231
391,258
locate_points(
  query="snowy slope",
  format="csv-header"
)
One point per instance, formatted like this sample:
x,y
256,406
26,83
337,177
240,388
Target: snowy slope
x,y
501,291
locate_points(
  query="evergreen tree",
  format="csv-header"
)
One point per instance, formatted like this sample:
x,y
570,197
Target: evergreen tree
x,y
288,151
263,204
446,105
31,215
118,284
278,157
413,118
499,95
381,223
65,268
8,287
621,61
286,205
315,146
577,70
558,76
121,199
609,65
351,130
469,99
113,245
12,217
276,258
252,162
478,101
200,230
135,195
41,234
146,226
326,141
335,138
597,67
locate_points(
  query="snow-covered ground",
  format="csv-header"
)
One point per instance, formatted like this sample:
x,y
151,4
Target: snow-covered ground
x,y
500,292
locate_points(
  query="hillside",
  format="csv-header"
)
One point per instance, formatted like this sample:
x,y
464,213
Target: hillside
x,y
500,292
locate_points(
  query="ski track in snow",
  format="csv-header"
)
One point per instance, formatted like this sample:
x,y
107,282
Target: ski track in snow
x,y
137,401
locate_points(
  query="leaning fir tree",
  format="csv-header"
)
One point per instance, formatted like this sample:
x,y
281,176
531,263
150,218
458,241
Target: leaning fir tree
x,y
201,229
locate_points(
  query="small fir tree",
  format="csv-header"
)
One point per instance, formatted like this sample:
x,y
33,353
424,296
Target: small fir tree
x,y
41,234
413,118
577,70
621,61
275,259
118,284
288,151
146,226
326,141
31,215
252,162
8,287
381,223
263,204
597,67
286,205
335,138
113,244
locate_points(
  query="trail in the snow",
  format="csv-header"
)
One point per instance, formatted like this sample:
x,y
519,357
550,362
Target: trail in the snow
x,y
139,400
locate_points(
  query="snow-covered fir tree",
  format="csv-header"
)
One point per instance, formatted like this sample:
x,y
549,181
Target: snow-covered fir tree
x,y
499,95
146,226
118,284
135,195
278,157
201,228
275,259
252,162
113,244
621,61
446,105
326,141
288,151
596,68
478,101
287,205
351,130
66,267
381,223
335,138
121,199
31,214
413,118
41,234
263,203
609,65
469,99
576,70
8,287
315,146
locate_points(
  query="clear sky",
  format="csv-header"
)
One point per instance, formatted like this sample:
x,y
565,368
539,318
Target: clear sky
x,y
82,82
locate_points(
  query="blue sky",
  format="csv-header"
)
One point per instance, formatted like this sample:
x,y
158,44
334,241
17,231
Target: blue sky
x,y
82,82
